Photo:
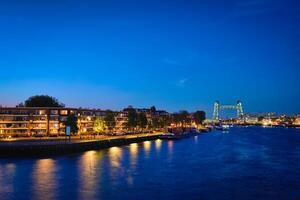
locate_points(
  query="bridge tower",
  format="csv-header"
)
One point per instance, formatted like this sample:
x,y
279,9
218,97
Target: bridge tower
x,y
216,110
239,109
218,107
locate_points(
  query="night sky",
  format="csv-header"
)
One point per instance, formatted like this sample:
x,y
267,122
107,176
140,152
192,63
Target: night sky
x,y
172,54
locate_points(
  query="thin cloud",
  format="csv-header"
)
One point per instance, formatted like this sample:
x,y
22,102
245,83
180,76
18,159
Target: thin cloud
x,y
182,82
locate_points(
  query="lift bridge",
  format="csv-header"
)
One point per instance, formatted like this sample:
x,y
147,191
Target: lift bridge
x,y
218,107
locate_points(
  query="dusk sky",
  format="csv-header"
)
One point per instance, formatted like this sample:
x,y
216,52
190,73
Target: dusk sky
x,y
172,54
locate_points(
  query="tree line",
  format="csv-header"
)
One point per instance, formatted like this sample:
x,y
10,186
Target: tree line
x,y
139,121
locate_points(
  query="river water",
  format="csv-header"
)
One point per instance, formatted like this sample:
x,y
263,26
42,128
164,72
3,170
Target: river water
x,y
244,163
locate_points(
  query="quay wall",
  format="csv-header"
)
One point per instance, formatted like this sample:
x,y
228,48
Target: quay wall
x,y
15,149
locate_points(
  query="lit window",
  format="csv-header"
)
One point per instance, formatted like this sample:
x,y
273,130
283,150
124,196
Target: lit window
x,y
63,112
42,112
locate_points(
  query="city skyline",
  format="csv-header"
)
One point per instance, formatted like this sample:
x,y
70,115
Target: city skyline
x,y
174,55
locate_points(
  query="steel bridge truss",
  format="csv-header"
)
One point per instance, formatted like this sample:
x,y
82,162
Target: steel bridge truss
x,y
218,107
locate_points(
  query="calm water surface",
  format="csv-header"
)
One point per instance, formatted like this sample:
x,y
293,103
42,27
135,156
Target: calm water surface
x,y
246,163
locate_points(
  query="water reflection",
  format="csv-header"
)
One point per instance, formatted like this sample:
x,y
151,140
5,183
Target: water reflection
x,y
158,143
115,158
170,150
7,173
133,149
213,168
89,173
196,139
170,146
147,147
114,155
44,179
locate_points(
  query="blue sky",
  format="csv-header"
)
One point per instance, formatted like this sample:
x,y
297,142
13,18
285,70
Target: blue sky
x,y
172,54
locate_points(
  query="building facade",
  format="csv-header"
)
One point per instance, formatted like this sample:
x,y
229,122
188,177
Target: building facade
x,y
50,121
25,121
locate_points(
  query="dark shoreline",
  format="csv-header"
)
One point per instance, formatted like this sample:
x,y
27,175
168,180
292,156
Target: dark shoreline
x,y
17,149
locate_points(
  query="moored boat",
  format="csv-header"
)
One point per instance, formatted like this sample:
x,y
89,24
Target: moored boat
x,y
222,127
169,136
179,135
219,128
225,127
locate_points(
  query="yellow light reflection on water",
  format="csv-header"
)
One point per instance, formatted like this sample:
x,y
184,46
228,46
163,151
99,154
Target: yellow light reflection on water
x,y
44,179
147,146
170,146
158,143
114,155
88,168
115,158
133,149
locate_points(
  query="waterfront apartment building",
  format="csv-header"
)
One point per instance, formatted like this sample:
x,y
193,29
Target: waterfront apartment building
x,y
47,121
25,121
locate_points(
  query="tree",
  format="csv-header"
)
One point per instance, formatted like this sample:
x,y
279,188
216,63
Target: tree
x,y
72,122
41,101
176,118
110,120
155,122
181,118
132,118
199,117
260,118
184,117
99,125
164,121
142,120
153,110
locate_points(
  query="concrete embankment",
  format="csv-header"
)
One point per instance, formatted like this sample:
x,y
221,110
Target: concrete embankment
x,y
58,147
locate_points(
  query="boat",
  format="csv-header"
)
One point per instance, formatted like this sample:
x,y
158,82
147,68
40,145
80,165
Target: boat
x,y
172,136
222,127
225,127
169,136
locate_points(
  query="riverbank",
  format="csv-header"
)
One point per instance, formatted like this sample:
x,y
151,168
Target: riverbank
x,y
63,146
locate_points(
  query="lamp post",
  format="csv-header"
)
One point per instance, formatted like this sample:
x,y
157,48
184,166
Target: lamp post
x,y
79,124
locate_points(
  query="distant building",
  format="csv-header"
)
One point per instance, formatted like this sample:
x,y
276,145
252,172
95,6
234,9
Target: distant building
x,y
297,121
121,120
249,119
